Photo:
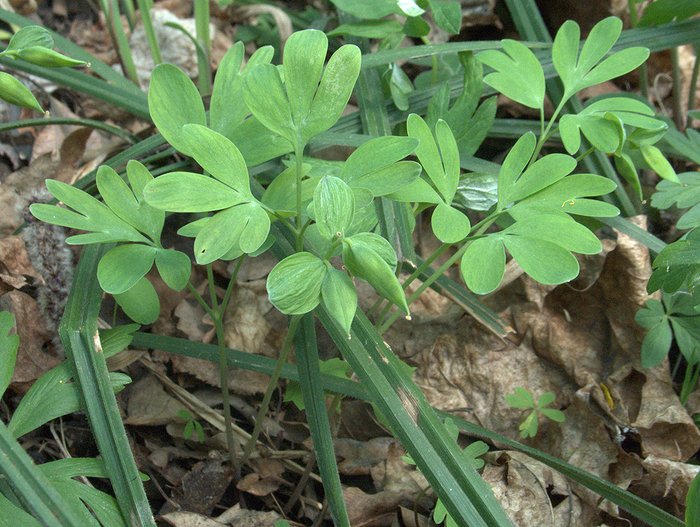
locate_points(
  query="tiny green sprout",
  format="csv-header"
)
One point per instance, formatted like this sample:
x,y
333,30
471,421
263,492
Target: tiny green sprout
x,y
523,399
192,426
472,453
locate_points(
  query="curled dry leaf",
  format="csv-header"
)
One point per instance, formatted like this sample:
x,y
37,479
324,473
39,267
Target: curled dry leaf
x,y
266,479
533,494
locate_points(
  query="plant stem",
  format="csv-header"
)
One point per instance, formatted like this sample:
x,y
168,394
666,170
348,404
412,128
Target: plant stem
x,y
130,13
643,72
692,373
114,22
201,20
281,361
677,90
89,123
545,135
693,85
145,11
480,228
585,154
298,154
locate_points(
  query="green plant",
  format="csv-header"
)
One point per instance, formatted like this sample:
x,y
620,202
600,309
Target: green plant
x,y
193,428
472,453
54,395
32,44
313,214
523,399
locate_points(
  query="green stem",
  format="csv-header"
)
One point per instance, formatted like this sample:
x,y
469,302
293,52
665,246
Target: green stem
x,y
692,373
130,13
693,84
200,300
145,11
212,288
677,90
224,380
271,387
585,154
643,71
478,229
231,285
88,123
114,21
545,135
298,154
201,20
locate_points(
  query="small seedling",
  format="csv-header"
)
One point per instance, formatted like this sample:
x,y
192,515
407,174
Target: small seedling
x,y
472,453
523,399
192,426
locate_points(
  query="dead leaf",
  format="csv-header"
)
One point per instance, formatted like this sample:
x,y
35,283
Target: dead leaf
x,y
15,266
150,405
32,358
203,486
372,510
358,457
266,478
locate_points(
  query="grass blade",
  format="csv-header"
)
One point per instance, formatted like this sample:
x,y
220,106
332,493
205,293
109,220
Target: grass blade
x,y
468,498
469,302
78,333
37,493
394,217
317,416
623,498
636,506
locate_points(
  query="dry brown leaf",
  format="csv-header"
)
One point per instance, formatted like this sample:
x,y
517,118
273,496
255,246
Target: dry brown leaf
x,y
237,517
358,457
526,488
397,476
150,405
266,478
32,358
14,264
469,371
203,486
666,482
372,510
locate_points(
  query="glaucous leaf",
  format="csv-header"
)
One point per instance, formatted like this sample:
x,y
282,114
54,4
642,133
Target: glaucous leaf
x,y
280,194
294,284
483,264
140,303
121,267
373,9
560,229
513,165
447,15
544,261
579,71
387,180
91,215
449,153
449,225
227,109
419,191
569,195
174,101
541,174
520,398
657,341
218,156
190,192
340,298
477,191
266,98
658,162
518,74
334,205
428,153
123,202
379,245
376,154
174,268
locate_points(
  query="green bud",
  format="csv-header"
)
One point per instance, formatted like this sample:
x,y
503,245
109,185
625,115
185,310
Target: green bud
x,y
14,92
46,57
367,264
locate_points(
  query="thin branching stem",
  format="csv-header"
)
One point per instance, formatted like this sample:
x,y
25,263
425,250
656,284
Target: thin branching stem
x,y
271,387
